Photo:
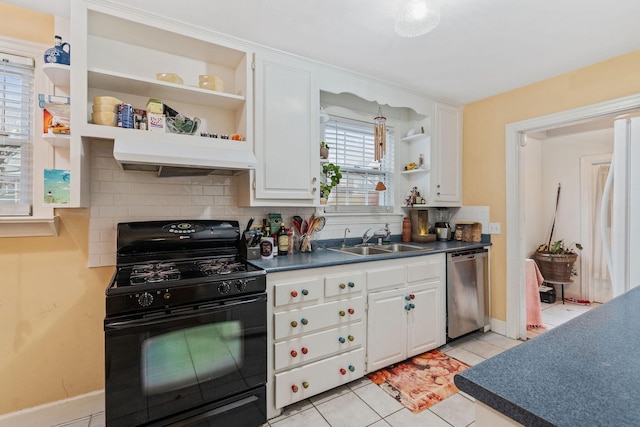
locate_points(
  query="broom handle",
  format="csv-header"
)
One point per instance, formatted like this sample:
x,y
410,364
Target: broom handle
x,y
554,218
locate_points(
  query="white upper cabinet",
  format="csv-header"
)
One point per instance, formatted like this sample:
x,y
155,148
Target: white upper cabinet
x,y
286,134
446,157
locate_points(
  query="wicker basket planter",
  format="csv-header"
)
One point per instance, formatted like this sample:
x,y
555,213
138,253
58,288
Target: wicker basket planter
x,y
555,267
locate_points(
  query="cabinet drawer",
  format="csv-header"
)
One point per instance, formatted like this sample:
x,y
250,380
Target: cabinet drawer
x,y
308,290
424,270
386,277
308,348
344,284
308,319
300,383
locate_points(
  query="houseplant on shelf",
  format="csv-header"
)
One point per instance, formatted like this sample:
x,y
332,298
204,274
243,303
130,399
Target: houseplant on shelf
x,y
332,177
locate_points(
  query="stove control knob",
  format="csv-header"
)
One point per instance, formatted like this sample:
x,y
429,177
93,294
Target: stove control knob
x,y
145,299
241,284
224,288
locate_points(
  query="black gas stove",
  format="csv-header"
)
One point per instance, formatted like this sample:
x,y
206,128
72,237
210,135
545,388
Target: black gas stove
x,y
168,264
185,328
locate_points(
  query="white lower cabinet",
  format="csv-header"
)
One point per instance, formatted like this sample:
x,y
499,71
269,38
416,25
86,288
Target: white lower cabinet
x,y
318,332
332,325
300,383
409,318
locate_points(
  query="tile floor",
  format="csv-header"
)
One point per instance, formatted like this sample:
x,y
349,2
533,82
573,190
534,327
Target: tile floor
x,y
362,403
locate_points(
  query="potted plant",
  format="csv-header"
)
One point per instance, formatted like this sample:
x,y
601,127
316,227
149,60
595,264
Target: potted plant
x,y
332,177
324,150
556,260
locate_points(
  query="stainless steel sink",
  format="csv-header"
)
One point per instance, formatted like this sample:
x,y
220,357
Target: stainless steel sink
x,y
380,249
362,250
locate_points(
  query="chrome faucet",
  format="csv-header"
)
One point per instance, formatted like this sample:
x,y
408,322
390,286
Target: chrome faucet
x,y
379,234
344,240
382,233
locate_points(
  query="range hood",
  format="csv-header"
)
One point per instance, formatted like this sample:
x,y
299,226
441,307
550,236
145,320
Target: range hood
x,y
193,157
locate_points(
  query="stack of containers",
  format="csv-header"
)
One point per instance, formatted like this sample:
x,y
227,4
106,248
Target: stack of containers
x,y
105,110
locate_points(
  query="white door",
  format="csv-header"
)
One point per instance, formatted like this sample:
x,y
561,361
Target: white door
x,y
386,328
424,323
286,129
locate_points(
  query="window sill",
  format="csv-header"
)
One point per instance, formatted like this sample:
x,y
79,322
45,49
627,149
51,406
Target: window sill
x,y
29,227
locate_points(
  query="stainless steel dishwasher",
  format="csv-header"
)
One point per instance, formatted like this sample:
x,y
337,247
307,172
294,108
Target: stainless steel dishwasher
x,y
466,277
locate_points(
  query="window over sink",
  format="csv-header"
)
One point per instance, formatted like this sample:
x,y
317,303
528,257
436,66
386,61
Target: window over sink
x,y
351,146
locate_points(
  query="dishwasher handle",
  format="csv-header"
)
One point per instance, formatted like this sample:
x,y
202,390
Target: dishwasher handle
x,y
469,254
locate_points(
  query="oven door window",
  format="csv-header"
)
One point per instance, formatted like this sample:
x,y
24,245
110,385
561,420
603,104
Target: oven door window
x,y
166,364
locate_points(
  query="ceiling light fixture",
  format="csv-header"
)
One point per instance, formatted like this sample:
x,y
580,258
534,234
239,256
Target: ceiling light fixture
x,y
417,17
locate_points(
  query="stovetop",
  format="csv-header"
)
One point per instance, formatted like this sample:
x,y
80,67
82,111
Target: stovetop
x,y
168,273
175,263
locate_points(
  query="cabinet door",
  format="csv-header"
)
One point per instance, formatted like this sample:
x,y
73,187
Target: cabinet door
x,y
446,164
425,329
286,129
386,328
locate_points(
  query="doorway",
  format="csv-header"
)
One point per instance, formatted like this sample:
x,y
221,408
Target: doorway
x,y
516,190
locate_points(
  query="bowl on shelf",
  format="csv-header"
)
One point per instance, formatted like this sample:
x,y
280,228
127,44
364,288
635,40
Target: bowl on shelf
x,y
206,81
170,78
105,118
179,123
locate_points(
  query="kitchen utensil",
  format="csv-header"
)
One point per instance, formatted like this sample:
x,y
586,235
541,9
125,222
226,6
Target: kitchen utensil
x,y
296,224
298,218
321,221
249,224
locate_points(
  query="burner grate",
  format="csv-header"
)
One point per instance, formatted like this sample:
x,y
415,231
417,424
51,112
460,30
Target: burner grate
x,y
154,273
221,266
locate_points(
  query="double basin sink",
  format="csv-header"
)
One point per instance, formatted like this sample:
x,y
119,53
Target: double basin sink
x,y
380,249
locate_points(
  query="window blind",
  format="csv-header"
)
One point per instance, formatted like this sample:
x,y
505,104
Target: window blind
x,y
351,145
16,133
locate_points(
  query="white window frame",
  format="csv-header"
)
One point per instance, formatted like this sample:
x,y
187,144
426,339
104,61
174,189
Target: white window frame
x,y
371,174
42,221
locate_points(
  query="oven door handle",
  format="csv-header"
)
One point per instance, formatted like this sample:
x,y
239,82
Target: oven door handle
x,y
178,314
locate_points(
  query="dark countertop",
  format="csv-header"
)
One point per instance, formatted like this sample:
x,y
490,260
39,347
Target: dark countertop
x,y
323,257
582,373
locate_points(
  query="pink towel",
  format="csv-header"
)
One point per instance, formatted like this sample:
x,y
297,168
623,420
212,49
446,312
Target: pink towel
x,y
534,310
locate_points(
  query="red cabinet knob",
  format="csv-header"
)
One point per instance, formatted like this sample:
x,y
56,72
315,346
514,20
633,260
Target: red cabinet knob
x,y
304,350
294,353
294,388
294,293
412,296
343,371
351,311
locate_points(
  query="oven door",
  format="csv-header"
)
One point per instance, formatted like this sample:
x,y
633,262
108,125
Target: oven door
x,y
188,363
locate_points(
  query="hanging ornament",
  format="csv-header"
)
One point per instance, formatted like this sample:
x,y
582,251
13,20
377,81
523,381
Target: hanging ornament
x,y
379,136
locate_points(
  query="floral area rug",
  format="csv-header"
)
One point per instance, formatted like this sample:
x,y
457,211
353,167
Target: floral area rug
x,y
421,381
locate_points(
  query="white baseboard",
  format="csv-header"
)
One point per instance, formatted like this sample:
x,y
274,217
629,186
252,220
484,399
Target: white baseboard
x,y
499,326
58,412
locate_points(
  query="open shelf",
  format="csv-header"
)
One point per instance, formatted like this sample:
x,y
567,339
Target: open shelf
x,y
416,137
57,139
125,83
59,74
415,171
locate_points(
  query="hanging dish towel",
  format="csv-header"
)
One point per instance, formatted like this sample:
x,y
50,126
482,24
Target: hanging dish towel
x,y
534,310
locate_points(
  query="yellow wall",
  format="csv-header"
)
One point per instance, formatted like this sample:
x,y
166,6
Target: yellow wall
x,y
51,312
25,24
51,305
484,169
